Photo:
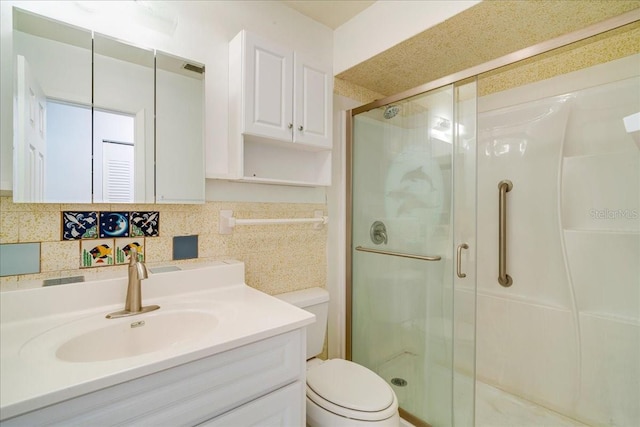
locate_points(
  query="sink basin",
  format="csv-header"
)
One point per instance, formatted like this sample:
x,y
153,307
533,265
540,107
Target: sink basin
x,y
135,335
97,339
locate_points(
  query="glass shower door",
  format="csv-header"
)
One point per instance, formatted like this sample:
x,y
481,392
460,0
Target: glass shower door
x,y
402,281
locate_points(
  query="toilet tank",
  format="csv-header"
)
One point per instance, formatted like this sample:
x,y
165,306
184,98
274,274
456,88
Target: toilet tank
x,y
316,301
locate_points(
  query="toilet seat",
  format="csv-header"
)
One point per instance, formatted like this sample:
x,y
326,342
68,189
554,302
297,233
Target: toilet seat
x,y
351,391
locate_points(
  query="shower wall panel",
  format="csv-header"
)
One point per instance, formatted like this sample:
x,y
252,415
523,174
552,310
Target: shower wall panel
x,y
566,334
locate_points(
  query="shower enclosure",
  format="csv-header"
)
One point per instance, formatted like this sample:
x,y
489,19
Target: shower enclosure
x,y
405,169
494,263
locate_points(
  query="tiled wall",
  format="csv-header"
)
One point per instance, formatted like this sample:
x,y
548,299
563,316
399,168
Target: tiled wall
x,y
278,258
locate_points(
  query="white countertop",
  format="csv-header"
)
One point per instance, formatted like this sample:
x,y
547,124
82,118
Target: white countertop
x,y
35,322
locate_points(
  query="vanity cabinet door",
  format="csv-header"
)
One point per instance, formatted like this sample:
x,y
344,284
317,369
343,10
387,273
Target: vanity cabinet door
x,y
283,407
268,83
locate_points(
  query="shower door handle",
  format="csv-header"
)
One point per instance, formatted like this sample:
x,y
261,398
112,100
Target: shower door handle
x,y
459,272
503,188
399,254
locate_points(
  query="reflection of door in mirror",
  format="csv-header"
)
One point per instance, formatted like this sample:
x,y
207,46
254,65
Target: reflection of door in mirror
x,y
123,85
114,156
59,59
31,142
68,171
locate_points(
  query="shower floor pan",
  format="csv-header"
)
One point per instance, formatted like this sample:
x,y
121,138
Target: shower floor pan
x,y
494,407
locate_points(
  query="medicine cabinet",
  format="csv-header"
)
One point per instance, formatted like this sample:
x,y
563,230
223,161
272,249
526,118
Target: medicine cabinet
x,y
99,120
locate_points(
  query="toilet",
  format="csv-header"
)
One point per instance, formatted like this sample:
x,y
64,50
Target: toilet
x,y
340,393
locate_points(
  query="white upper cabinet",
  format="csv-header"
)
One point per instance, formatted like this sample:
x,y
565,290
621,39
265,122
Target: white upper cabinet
x,y
280,111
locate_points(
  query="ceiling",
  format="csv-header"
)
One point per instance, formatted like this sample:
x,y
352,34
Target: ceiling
x,y
331,13
475,36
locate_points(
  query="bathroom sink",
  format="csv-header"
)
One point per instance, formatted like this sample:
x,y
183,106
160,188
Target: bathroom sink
x,y
96,339
56,344
138,335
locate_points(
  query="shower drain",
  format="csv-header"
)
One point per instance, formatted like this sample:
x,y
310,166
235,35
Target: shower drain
x,y
400,382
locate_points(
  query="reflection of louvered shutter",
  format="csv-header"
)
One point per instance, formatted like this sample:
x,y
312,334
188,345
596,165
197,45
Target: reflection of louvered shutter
x,y
118,172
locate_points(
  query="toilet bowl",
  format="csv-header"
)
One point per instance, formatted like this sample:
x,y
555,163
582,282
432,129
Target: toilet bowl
x,y
343,393
340,393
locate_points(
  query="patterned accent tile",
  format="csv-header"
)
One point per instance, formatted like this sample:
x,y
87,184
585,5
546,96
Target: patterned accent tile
x,y
97,253
145,223
123,248
114,224
79,225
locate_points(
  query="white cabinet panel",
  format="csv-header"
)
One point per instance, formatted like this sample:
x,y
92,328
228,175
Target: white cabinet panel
x,y
280,110
313,94
284,407
268,80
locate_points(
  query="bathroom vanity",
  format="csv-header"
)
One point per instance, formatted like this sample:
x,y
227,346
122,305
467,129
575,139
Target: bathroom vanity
x,y
216,353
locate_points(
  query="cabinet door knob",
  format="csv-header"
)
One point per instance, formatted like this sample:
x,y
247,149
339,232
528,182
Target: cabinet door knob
x,y
290,125
300,127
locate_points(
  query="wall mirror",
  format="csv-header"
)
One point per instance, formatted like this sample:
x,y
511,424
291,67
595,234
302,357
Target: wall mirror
x,y
123,123
52,111
179,129
96,120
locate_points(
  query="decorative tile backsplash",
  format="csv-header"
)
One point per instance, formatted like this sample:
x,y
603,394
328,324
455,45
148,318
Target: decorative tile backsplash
x,y
144,224
103,252
97,253
124,247
265,249
108,237
104,225
79,225
114,224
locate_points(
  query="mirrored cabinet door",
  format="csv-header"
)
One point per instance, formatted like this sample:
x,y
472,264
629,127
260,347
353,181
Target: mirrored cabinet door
x,y
52,116
123,122
179,130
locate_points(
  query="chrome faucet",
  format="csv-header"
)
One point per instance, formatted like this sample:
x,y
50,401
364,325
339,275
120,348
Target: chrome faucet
x,y
133,304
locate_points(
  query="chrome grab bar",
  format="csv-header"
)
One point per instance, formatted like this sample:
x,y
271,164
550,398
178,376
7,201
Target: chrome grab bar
x,y
503,278
459,272
413,256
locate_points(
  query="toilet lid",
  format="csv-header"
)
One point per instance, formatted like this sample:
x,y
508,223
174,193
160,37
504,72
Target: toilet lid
x,y
350,386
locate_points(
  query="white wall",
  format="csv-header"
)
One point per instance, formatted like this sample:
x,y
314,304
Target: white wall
x,y
192,29
387,23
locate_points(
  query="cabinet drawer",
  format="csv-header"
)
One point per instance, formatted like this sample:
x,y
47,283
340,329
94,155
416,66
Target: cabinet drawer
x,y
186,394
283,407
